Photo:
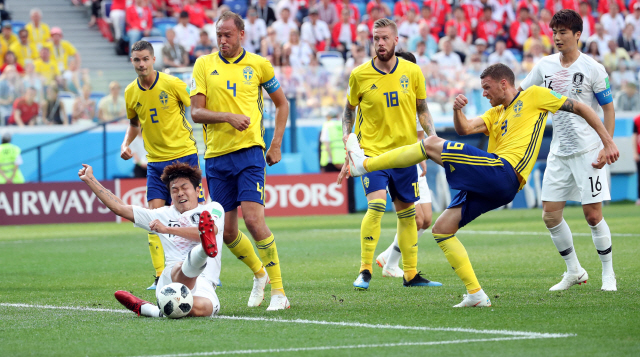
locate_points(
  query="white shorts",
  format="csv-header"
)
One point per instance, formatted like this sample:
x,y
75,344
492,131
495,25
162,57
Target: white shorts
x,y
574,179
425,193
203,288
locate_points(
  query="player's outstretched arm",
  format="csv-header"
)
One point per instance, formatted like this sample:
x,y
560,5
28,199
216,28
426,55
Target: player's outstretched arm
x,y
463,125
282,113
426,121
107,197
611,153
200,114
129,136
190,233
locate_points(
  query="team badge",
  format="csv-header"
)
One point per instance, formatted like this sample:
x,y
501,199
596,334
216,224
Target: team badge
x,y
518,106
164,99
404,83
578,78
195,218
366,182
247,72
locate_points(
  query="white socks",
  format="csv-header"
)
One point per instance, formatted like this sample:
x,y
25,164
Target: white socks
x,y
150,310
195,262
393,252
602,240
563,240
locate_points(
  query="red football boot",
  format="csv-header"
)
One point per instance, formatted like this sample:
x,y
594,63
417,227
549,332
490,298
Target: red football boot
x,y
130,301
207,235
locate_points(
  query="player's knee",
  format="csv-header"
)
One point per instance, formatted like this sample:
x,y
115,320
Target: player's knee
x,y
431,141
426,223
419,221
442,228
202,307
593,217
552,219
255,224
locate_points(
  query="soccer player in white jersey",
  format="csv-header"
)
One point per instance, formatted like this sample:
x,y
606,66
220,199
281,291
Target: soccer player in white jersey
x,y
576,164
389,259
190,234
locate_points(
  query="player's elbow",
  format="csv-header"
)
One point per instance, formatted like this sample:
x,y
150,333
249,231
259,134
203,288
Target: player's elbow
x,y
196,114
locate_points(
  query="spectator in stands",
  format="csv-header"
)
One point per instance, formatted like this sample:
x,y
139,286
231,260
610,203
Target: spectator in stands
x,y
10,161
255,30
31,79
481,47
266,13
611,59
588,22
7,38
298,53
11,60
284,26
139,20
601,38
62,50
472,11
489,29
315,32
459,46
53,109
628,100
376,14
604,6
186,34
423,35
332,152
358,57
117,16
205,46
74,78
592,50
634,19
520,30
536,36
536,51
46,68
354,13
292,5
25,109
422,59
173,54
363,39
502,55
613,22
427,18
402,7
344,33
409,26
556,5
269,45
84,107
462,26
621,76
382,7
95,12
545,20
327,12
39,32
626,40
10,89
24,50
439,9
197,14
531,5
112,106
448,61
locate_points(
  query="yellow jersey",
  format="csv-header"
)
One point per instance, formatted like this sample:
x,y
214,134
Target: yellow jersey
x,y
60,54
515,132
233,85
6,43
24,53
386,102
38,35
166,132
48,70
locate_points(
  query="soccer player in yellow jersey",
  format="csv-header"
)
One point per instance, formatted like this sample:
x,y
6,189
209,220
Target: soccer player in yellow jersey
x,y
226,92
388,92
156,105
486,180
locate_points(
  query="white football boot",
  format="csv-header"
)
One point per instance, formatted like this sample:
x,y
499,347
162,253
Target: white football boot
x,y
392,272
278,302
569,280
356,156
381,260
609,283
257,293
479,299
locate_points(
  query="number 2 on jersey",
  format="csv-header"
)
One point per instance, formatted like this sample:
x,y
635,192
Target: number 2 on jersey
x,y
392,99
154,113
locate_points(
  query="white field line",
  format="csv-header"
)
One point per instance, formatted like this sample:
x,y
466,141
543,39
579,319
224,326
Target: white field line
x,y
506,233
52,240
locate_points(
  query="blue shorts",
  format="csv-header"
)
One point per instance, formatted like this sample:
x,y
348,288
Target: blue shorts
x,y
401,183
157,189
236,177
485,181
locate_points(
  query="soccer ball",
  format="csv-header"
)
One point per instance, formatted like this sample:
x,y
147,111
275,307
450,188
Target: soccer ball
x,y
175,300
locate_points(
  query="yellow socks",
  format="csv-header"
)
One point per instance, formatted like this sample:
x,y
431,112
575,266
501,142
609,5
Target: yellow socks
x,y
408,241
458,259
401,157
242,248
269,255
370,232
157,253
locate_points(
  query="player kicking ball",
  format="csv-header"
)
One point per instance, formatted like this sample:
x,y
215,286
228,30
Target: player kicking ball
x,y
190,234
486,180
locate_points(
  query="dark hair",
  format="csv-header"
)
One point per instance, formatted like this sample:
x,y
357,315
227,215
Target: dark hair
x,y
184,14
237,20
141,46
568,19
407,56
181,170
499,72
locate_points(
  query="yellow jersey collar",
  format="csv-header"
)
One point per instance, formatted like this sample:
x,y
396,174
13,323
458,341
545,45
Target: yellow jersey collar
x,y
381,72
244,52
513,100
153,85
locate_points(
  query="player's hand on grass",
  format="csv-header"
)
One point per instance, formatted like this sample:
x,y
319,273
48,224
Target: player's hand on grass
x,y
158,227
239,122
423,166
125,152
460,102
608,155
85,173
344,173
274,155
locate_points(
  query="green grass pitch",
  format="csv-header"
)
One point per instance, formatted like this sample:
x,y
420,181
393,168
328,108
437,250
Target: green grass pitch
x,y
81,265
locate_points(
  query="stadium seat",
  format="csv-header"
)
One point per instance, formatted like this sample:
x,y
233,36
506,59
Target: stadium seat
x,y
164,23
67,99
16,25
238,6
158,44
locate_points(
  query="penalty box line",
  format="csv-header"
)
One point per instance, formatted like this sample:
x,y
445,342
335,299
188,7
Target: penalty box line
x,y
520,334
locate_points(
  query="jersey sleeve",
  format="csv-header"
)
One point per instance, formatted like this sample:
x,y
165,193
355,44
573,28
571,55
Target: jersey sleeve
x,y
489,117
421,85
180,89
353,91
143,216
534,78
268,80
198,78
548,99
601,87
70,48
131,113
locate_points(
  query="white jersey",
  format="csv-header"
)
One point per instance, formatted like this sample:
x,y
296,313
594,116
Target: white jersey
x,y
587,82
175,247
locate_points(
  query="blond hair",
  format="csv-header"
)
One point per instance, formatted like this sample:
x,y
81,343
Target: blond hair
x,y
381,23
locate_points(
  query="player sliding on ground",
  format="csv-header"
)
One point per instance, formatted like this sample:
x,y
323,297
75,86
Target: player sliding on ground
x,y
486,180
191,257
